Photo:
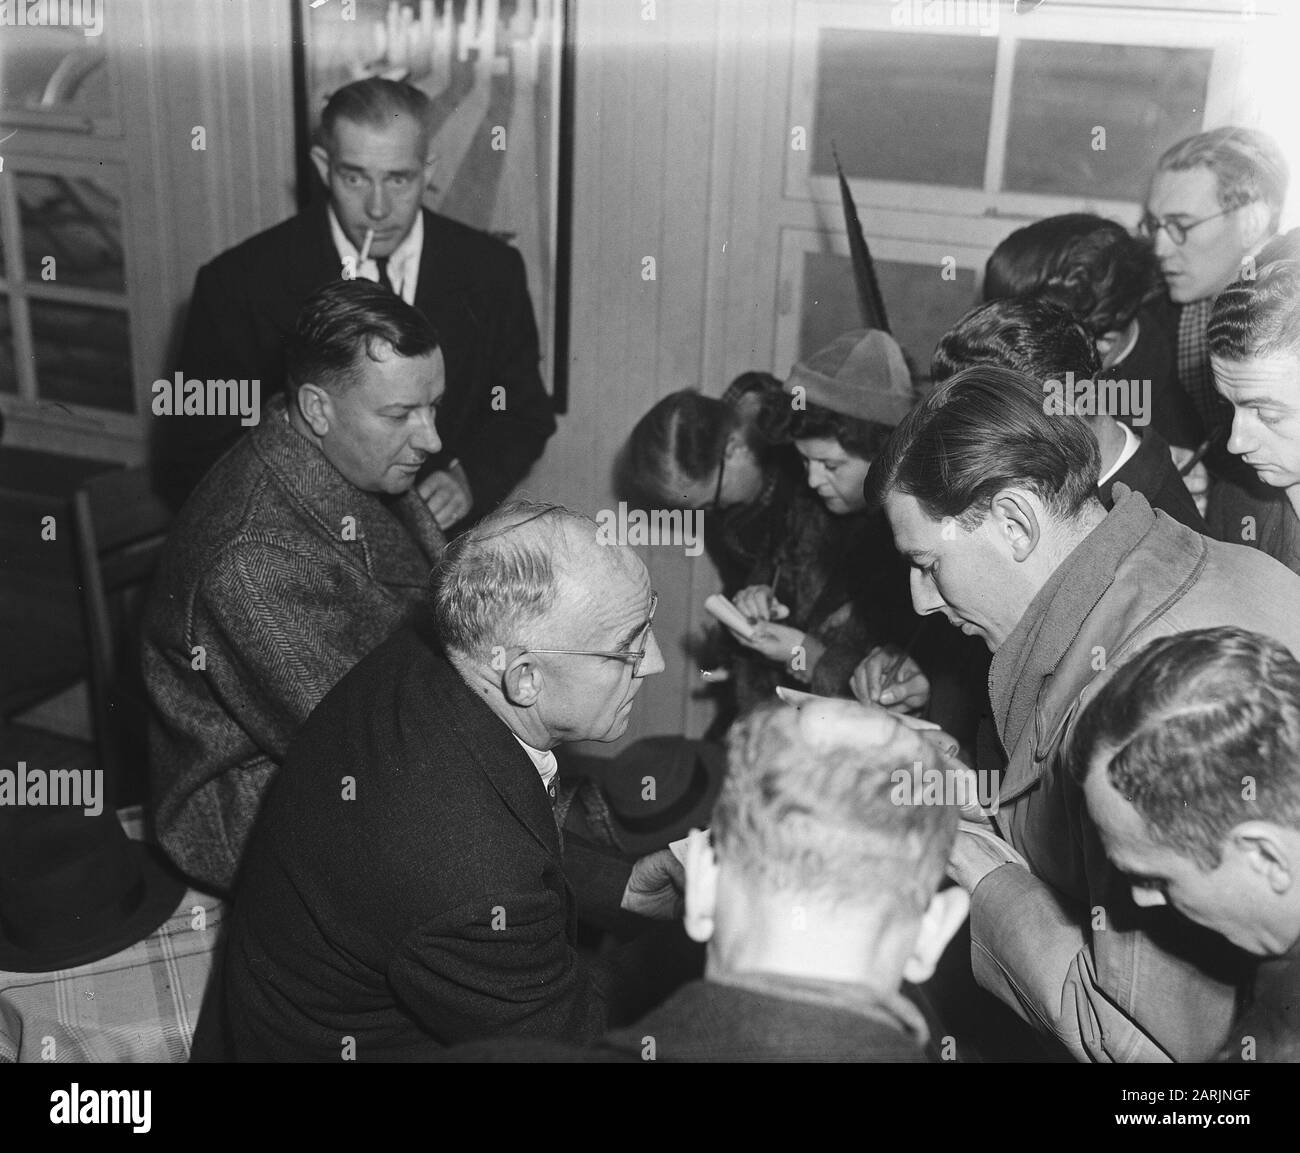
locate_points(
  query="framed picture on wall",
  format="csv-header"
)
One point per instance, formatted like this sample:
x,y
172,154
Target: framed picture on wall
x,y
499,74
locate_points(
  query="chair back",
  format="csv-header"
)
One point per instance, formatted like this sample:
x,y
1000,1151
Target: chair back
x,y
120,529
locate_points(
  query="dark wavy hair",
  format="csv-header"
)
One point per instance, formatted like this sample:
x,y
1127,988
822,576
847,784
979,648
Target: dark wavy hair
x,y
1260,315
981,431
684,434
1091,265
345,321
1184,723
681,436
864,439
1035,336
373,102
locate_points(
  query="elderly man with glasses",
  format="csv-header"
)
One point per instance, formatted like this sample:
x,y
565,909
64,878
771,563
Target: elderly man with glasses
x,y
408,885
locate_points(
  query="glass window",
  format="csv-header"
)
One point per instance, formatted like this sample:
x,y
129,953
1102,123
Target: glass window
x,y
54,69
922,306
881,93
83,355
77,220
1144,97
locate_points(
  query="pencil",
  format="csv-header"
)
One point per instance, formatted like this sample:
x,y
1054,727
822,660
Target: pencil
x,y
907,652
1199,454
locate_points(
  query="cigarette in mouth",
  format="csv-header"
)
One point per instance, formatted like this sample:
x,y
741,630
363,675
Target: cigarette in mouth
x,y
365,247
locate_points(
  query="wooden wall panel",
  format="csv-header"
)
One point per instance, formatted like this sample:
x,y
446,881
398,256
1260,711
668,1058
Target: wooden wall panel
x,y
670,144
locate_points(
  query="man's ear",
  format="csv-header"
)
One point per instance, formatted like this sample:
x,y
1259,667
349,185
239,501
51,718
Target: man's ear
x,y
522,682
316,407
701,886
321,159
1266,853
1015,520
1108,342
948,909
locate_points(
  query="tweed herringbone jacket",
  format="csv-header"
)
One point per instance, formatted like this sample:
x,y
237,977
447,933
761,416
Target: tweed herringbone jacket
x,y
278,577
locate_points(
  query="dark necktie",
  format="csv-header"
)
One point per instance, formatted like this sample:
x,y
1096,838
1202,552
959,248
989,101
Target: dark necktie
x,y
382,263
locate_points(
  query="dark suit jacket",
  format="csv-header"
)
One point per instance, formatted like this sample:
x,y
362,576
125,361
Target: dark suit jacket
x,y
471,287
1247,511
1155,358
1151,472
404,886
1269,1030
710,1021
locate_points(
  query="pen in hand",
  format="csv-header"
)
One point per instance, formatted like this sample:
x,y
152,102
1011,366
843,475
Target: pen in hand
x,y
891,675
1199,454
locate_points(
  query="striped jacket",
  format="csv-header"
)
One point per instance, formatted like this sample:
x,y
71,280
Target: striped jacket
x,y
278,577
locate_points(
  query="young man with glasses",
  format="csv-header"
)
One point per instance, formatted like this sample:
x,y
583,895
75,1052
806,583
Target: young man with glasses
x,y
408,886
1214,201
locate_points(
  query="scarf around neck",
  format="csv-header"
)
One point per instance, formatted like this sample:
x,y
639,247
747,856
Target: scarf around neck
x,y
1058,612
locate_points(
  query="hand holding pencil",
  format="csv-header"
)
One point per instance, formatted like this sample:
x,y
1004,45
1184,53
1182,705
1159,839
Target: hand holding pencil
x,y
889,677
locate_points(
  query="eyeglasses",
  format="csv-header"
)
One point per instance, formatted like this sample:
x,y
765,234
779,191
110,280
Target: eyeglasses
x,y
633,656
1178,231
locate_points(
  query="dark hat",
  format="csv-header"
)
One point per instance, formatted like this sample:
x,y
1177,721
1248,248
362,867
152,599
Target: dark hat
x,y
74,888
862,374
656,790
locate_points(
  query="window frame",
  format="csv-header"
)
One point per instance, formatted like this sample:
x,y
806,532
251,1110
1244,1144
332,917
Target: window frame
x,y
1079,23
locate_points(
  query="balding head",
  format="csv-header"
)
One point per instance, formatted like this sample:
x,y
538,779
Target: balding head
x,y
826,856
497,582
545,621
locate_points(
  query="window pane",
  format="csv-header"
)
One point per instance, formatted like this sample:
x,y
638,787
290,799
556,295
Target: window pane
x,y
83,355
8,375
54,69
77,220
1145,98
922,306
880,93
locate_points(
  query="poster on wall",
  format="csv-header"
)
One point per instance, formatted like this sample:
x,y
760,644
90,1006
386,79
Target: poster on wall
x,y
498,75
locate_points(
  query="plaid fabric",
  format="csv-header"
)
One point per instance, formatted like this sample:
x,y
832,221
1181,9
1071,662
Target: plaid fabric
x,y
138,1005
1194,372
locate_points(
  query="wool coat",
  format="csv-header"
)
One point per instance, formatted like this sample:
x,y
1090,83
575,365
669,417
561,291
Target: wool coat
x,y
408,887
1062,942
278,576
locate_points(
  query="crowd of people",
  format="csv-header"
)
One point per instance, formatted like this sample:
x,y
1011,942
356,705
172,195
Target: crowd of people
x,y
1040,608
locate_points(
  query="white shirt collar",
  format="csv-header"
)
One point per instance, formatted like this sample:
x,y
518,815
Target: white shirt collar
x,y
403,264
1131,445
543,760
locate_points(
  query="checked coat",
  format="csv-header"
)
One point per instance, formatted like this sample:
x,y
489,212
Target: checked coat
x,y
278,577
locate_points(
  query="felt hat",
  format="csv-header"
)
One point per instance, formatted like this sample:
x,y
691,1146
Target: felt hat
x,y
74,888
654,791
862,374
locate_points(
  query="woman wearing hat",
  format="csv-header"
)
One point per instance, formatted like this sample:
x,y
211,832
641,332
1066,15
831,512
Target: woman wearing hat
x,y
834,586
783,465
